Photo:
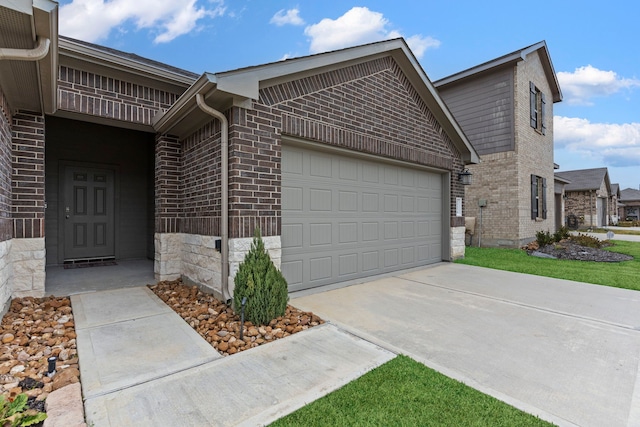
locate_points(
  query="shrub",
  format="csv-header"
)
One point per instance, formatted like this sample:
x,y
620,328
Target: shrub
x,y
561,234
262,284
586,240
544,238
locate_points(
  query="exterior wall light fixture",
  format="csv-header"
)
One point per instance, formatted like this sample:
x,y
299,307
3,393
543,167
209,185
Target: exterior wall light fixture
x,y
465,177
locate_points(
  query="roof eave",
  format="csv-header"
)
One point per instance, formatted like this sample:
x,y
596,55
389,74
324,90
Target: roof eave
x,y
88,54
239,87
510,59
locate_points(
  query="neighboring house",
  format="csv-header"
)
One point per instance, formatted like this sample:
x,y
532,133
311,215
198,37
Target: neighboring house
x,y
630,200
614,202
560,195
348,162
588,196
505,107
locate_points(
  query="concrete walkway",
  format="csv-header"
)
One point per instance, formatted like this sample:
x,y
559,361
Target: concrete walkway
x,y
142,365
568,352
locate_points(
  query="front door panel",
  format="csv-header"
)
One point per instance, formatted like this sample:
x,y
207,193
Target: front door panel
x,y
88,213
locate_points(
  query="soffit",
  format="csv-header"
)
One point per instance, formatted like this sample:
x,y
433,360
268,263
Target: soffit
x,y
29,85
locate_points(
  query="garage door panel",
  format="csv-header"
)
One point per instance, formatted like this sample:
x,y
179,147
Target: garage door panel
x,y
357,218
320,268
319,234
347,264
293,271
319,200
292,235
348,232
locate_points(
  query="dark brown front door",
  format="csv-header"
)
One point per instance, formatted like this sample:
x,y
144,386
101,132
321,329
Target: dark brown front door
x,y
88,213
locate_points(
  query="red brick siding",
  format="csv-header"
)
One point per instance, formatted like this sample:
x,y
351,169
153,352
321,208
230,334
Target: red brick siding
x,y
96,95
201,181
167,185
28,175
6,224
369,107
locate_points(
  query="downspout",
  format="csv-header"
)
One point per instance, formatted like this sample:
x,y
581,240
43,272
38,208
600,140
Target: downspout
x,y
224,203
35,54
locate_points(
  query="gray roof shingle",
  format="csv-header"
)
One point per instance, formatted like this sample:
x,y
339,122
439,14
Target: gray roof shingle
x,y
629,194
584,179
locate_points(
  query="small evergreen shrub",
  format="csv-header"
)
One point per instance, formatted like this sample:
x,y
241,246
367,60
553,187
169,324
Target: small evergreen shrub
x,y
262,284
561,234
586,240
544,238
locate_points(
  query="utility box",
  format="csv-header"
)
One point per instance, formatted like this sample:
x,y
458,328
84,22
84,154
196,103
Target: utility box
x,y
482,203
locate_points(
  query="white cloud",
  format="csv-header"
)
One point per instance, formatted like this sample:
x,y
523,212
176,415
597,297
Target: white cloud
x,y
613,144
357,26
93,20
588,82
291,17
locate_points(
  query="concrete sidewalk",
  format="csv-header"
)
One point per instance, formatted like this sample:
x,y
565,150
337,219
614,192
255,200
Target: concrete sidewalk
x,y
568,352
142,365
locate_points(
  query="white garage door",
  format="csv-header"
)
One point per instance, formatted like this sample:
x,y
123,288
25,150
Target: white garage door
x,y
345,218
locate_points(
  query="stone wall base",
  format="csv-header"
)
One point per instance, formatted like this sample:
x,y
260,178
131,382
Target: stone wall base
x,y
456,236
194,258
27,259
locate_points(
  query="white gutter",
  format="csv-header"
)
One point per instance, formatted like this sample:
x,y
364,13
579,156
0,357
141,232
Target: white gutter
x,y
35,54
224,208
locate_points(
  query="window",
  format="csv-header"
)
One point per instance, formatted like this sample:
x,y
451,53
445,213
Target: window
x,y
538,197
537,104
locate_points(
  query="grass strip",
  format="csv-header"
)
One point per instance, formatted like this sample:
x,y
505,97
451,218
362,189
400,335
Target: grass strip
x,y
615,274
403,392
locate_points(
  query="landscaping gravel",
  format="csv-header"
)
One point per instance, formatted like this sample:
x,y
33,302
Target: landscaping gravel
x,y
220,325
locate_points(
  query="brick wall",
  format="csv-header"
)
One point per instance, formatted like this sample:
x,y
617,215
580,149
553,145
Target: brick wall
x,y
168,199
88,93
6,223
582,204
495,180
534,151
369,107
28,175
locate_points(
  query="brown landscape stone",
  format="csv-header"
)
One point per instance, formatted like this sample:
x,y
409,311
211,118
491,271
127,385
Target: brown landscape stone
x,y
220,325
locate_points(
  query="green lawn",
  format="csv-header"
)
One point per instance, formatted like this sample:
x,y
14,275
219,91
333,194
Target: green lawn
x,y
617,274
403,392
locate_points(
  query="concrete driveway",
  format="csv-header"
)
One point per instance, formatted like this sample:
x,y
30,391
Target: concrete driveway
x,y
565,351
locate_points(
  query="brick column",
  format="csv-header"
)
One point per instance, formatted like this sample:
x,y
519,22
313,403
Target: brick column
x,y
27,183
168,207
167,184
27,205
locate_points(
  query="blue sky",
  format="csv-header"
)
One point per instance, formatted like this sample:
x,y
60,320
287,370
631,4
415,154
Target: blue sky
x,y
593,46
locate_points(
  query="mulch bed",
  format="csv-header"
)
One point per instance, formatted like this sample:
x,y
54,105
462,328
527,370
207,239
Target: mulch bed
x,y
567,249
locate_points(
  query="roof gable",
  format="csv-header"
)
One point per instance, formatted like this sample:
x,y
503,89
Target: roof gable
x,y
510,59
586,179
239,87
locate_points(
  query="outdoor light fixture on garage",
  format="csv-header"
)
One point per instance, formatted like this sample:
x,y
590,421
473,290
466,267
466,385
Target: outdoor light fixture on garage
x,y
465,177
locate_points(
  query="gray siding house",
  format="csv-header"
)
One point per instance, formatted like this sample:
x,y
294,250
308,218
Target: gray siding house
x,y
348,162
505,107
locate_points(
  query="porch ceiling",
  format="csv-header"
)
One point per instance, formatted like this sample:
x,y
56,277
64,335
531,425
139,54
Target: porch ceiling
x,y
29,85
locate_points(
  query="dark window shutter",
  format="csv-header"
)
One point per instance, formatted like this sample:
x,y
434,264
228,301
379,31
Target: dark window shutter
x,y
533,105
534,202
544,198
542,115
